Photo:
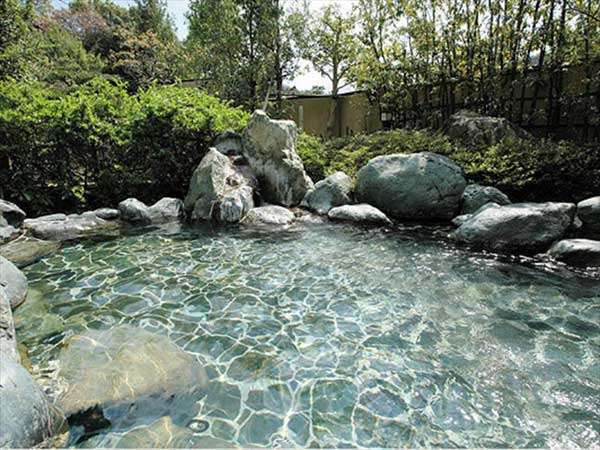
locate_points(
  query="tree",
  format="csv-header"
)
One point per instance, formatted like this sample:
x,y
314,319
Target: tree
x,y
241,50
330,44
151,16
143,58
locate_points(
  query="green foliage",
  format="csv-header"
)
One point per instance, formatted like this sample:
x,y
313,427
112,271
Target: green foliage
x,y
312,152
350,154
96,144
526,169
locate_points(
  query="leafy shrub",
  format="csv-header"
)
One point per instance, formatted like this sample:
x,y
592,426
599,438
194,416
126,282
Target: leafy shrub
x,y
527,170
96,144
312,150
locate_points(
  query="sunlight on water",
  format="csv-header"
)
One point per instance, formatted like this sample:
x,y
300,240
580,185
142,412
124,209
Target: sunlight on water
x,y
337,337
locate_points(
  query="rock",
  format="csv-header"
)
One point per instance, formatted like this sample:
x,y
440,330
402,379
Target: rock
x,y
124,366
11,213
48,218
14,283
335,190
359,213
108,213
412,186
459,220
270,148
62,228
28,250
8,233
475,196
134,211
520,227
167,210
8,338
229,143
26,416
218,190
269,215
482,130
35,317
577,252
589,212
162,433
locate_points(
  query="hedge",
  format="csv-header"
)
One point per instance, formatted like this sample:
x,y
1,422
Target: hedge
x,y
96,144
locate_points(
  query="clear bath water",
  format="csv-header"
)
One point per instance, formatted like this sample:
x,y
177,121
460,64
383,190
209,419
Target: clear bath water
x,y
334,336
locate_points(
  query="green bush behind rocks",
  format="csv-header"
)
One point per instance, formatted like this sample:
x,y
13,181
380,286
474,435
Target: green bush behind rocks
x,y
96,144
525,169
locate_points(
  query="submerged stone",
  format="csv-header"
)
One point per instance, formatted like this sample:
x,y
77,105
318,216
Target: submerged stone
x,y
124,365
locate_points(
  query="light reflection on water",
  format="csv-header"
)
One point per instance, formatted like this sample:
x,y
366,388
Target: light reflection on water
x,y
335,336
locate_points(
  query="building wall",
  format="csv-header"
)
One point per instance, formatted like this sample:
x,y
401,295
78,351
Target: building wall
x,y
355,114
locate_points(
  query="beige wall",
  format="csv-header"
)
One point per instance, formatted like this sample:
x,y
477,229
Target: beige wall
x,y
355,114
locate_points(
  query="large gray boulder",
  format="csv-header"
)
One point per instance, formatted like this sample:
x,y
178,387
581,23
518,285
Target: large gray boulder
x,y
167,210
335,190
520,227
475,196
269,215
270,148
588,212
577,252
362,213
476,129
124,366
13,281
412,186
27,418
218,190
66,228
27,250
11,213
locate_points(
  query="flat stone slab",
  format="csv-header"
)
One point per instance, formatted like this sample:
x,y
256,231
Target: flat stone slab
x,y
58,227
28,250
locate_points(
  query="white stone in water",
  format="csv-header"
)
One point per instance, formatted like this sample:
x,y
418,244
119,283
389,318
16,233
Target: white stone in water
x,y
359,213
269,215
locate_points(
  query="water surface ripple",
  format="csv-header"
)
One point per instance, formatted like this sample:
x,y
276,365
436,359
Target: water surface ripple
x,y
334,336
